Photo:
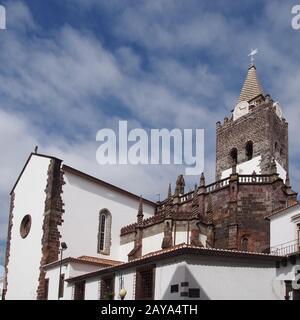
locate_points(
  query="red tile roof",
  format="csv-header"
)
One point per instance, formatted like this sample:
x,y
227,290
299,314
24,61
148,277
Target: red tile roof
x,y
101,262
97,260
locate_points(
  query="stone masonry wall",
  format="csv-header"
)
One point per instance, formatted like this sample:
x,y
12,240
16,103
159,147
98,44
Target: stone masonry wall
x,y
52,220
261,126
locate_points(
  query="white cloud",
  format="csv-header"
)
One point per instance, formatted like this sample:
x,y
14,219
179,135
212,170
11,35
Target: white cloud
x,y
19,17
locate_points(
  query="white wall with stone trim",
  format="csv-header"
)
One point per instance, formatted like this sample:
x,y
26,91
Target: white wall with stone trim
x,y
153,243
247,168
124,250
26,254
83,201
70,270
182,237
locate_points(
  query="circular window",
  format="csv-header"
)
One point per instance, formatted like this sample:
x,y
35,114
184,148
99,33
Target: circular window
x,y
25,226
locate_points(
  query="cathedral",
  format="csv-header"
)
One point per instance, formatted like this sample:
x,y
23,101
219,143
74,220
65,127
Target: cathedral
x,y
72,236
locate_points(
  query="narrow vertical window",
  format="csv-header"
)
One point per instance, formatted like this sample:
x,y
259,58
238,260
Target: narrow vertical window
x,y
249,150
234,156
104,232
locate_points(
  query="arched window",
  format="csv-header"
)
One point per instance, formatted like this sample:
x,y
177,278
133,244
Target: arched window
x,y
104,232
234,156
244,244
249,150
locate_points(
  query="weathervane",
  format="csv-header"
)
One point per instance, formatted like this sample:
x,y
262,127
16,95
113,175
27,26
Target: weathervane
x,y
252,54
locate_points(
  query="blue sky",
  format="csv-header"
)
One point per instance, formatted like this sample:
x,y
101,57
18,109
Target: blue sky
x,y
69,68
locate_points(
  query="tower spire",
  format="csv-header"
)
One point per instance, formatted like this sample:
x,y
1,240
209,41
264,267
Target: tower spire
x,y
251,88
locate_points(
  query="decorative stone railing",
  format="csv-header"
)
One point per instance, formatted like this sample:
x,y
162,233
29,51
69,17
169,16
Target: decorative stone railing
x,y
242,179
161,206
217,185
186,197
249,179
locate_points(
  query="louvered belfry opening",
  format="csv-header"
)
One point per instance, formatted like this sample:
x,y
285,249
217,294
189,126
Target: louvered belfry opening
x,y
145,283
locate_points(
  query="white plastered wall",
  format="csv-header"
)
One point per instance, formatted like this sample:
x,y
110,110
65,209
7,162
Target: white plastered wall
x,y
247,168
152,243
70,270
25,254
128,278
124,250
83,201
217,279
283,228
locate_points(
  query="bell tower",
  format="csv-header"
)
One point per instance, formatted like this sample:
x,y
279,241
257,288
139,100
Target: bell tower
x,y
255,137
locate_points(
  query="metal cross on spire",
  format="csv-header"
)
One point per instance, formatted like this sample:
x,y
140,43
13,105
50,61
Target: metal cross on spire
x,y
252,54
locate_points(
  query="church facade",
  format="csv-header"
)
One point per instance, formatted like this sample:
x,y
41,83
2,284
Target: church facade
x,y
212,243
